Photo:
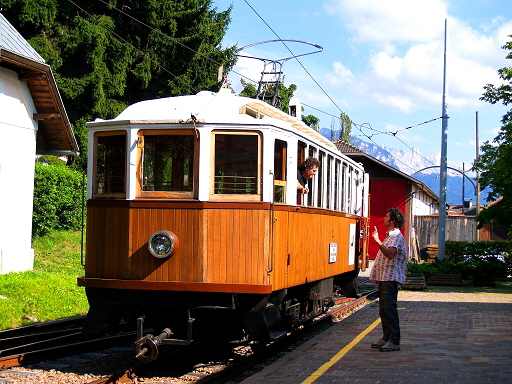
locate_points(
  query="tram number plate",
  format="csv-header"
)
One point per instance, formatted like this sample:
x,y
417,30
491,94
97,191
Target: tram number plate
x,y
333,252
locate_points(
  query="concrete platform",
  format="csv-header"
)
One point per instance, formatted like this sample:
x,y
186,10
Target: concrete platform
x,y
447,337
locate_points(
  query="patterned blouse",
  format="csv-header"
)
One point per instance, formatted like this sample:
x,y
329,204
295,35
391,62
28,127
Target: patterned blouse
x,y
395,269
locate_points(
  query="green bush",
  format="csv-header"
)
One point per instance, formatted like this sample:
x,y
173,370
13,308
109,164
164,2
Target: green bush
x,y
58,197
463,251
415,269
464,261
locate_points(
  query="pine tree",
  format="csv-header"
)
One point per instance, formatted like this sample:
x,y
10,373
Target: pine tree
x,y
104,59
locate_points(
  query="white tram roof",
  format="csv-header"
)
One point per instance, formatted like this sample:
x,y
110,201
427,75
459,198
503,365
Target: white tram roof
x,y
209,108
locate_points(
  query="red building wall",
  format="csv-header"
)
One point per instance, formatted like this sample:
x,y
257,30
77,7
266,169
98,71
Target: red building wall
x,y
384,194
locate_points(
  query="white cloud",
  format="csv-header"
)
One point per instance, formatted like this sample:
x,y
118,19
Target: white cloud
x,y
405,41
377,21
341,74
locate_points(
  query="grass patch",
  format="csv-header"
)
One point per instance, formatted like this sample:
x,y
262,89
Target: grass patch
x,y
48,292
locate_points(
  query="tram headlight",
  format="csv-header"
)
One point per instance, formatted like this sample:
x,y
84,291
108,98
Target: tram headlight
x,y
163,244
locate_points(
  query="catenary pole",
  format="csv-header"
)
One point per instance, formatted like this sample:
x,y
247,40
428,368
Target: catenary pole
x,y
477,174
444,165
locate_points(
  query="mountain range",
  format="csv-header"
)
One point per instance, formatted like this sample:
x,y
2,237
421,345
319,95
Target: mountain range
x,y
425,169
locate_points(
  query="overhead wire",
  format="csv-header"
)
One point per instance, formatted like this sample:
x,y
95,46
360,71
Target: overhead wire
x,y
329,97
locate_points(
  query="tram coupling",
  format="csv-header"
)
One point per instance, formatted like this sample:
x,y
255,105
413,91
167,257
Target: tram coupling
x,y
146,347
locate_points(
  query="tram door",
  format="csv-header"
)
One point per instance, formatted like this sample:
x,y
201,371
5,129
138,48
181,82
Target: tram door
x,y
279,214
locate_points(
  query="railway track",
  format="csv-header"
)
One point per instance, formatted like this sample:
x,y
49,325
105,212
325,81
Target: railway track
x,y
24,345
223,367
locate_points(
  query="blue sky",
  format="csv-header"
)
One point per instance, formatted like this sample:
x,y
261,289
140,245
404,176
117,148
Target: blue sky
x,y
382,64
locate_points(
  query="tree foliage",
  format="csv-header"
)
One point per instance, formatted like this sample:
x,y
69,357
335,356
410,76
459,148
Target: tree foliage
x,y
496,156
346,127
103,59
312,122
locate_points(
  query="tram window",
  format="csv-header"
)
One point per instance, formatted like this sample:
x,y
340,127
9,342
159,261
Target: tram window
x,y
344,187
355,190
321,177
280,171
168,163
236,167
312,151
301,152
110,164
349,190
337,185
329,182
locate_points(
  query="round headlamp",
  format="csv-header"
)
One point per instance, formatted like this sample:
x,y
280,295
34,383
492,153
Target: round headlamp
x,y
163,244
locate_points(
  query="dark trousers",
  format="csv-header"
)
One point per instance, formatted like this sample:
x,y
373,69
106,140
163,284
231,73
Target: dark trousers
x,y
388,312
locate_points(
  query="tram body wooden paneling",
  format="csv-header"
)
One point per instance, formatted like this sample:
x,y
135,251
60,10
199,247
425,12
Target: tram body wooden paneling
x,y
221,244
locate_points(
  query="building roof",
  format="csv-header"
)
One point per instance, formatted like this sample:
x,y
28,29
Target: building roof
x,y
54,135
12,41
359,155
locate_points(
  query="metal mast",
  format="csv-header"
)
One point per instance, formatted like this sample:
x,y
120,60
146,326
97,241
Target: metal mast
x,y
477,175
443,173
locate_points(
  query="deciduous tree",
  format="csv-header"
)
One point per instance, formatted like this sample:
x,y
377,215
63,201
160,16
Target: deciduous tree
x,y
496,157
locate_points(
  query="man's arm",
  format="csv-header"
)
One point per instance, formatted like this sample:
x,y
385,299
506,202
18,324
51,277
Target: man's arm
x,y
302,189
390,252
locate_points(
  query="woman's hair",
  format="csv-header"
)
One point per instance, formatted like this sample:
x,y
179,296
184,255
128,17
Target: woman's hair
x,y
310,163
397,216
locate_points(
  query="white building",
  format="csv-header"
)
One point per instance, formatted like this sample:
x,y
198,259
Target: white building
x,y
33,122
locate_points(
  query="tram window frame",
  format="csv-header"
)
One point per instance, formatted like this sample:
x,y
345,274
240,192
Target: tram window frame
x,y
329,190
321,180
350,179
344,171
213,164
337,189
193,169
280,169
96,152
301,157
313,185
357,191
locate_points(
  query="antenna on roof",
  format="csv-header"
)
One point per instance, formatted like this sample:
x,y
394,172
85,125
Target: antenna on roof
x,y
271,76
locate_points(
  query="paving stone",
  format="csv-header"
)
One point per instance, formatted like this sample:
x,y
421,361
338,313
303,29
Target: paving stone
x,y
446,338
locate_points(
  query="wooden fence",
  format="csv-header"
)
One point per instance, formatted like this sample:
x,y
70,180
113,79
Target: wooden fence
x,y
458,228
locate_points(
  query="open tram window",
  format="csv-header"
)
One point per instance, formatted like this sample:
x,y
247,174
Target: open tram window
x,y
168,164
329,201
236,168
321,175
344,187
110,165
337,188
349,190
312,151
280,171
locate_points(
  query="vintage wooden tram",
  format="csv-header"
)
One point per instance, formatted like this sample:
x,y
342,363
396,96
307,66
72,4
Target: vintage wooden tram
x,y
195,229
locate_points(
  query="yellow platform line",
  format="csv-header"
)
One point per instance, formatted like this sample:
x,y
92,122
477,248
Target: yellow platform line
x,y
320,371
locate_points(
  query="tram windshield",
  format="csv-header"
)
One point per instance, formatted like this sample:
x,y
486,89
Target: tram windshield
x,y
110,164
168,163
